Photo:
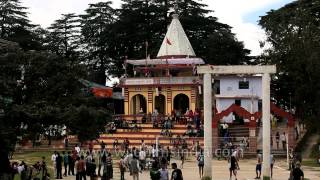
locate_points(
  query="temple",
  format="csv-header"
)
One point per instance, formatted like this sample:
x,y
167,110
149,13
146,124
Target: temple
x,y
168,83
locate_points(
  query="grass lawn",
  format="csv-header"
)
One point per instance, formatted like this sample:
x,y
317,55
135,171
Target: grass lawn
x,y
310,163
31,158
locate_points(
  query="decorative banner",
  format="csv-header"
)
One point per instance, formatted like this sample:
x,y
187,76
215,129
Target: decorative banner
x,y
102,92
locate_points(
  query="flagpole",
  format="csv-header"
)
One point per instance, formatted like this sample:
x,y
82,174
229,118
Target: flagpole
x,y
168,73
146,68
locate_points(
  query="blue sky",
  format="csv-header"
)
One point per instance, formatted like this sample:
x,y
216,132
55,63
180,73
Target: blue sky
x,y
254,17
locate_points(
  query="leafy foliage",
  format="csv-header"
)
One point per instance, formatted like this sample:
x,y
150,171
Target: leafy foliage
x,y
97,37
86,122
293,31
142,21
63,36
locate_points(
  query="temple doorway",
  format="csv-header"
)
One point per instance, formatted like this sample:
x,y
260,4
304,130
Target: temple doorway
x,y
181,103
138,102
160,103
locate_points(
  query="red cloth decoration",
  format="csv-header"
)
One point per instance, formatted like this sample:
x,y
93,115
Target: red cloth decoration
x,y
102,92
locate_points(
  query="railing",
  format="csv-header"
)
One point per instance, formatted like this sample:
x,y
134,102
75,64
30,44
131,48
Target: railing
x,y
160,117
161,81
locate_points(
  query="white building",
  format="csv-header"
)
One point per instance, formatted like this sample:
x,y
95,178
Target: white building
x,y
244,91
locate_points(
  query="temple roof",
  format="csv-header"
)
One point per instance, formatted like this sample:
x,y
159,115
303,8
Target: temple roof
x,y
172,61
176,42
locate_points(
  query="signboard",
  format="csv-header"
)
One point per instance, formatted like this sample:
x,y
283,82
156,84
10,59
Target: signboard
x,y
148,81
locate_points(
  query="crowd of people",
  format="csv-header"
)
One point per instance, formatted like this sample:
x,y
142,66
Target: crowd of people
x,y
36,171
100,164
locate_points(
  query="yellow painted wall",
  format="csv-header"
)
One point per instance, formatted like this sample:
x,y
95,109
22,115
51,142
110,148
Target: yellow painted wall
x,y
132,92
150,106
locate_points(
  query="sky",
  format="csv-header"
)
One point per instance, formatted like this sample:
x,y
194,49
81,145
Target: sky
x,y
242,15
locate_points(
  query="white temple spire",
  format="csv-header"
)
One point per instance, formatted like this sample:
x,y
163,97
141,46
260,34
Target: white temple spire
x,y
176,42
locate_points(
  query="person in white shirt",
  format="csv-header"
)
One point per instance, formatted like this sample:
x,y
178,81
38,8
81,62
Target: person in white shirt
x,y
53,159
283,139
154,152
77,149
164,173
142,158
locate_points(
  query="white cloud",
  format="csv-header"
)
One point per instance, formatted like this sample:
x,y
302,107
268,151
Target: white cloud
x,y
231,12
44,12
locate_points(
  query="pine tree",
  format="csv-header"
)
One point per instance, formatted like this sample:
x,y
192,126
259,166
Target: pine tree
x,y
64,36
12,15
98,38
15,25
141,21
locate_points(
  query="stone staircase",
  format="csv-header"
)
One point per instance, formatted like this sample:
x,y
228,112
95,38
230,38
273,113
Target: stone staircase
x,y
237,132
145,132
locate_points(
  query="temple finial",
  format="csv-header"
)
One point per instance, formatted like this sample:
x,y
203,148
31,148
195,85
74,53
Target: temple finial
x,y
176,6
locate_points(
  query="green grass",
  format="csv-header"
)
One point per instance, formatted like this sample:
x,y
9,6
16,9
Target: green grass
x,y
310,163
31,158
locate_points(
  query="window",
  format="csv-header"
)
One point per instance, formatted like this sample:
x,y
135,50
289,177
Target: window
x,y
243,84
216,86
237,102
260,105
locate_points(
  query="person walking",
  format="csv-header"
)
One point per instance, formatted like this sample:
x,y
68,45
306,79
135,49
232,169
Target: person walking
x,y
176,173
122,167
272,161
65,163
53,160
277,139
71,162
135,168
182,157
154,171
233,166
80,168
168,155
283,140
164,173
59,166
92,170
109,166
142,158
200,159
258,166
297,173
99,156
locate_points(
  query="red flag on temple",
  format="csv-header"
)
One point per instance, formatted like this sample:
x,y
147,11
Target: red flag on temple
x,y
168,41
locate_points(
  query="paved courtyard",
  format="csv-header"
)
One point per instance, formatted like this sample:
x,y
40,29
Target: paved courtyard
x,y
220,171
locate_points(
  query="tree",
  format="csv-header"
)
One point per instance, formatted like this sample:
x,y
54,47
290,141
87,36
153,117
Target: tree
x,y
12,15
16,27
143,21
293,31
64,36
96,30
10,55
86,122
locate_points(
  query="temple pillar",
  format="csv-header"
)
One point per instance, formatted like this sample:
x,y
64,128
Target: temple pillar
x,y
169,100
150,100
266,125
207,99
126,102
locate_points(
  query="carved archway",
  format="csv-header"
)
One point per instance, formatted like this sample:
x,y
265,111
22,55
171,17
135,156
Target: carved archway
x,y
181,103
137,102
